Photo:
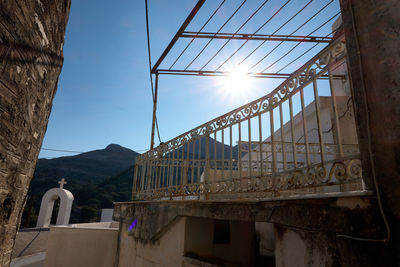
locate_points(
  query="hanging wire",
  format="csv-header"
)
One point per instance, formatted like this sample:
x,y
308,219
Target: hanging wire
x,y
149,54
293,32
191,41
78,152
287,53
223,25
61,150
262,26
248,19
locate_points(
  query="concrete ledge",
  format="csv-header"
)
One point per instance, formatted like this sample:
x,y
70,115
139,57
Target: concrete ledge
x,y
30,242
34,260
355,214
97,225
192,262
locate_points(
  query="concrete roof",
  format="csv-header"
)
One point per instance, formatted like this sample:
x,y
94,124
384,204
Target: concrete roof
x,y
30,241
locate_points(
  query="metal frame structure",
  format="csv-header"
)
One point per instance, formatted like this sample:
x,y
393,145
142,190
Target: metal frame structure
x,y
188,166
246,37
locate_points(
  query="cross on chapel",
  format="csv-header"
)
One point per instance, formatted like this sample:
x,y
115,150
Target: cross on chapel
x,y
62,183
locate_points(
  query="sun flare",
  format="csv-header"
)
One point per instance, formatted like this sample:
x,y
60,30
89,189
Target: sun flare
x,y
237,87
238,81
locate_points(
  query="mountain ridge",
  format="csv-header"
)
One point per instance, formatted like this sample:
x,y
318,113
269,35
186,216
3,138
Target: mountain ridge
x,y
88,167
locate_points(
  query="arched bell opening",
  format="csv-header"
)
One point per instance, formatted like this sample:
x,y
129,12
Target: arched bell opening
x,y
47,207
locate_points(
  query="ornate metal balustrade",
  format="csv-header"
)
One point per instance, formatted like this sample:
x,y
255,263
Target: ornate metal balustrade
x,y
298,139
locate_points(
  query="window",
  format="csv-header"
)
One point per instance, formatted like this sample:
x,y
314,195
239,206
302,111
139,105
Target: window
x,y
222,232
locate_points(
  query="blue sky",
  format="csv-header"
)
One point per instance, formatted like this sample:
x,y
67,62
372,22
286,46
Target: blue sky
x,y
104,92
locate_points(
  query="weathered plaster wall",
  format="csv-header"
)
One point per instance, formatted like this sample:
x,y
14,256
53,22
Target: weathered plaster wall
x,y
199,242
372,39
265,233
166,251
300,248
31,57
317,223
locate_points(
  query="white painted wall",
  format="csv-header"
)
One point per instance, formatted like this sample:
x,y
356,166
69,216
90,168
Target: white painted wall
x,y
90,246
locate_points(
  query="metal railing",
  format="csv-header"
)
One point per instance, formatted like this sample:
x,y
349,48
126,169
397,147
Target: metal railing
x,y
298,139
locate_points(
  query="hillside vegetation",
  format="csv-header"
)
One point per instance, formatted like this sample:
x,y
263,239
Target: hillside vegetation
x,y
97,179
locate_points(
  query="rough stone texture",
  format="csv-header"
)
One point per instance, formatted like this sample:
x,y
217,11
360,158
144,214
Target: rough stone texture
x,y
318,221
31,56
372,38
353,216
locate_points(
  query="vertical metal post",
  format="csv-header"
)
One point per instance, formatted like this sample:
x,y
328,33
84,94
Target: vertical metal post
x,y
215,156
162,171
199,163
153,125
318,114
294,145
230,151
223,155
149,173
169,168
207,169
171,179
303,113
260,143
183,166
250,148
135,180
193,162
143,175
240,150
283,146
271,121
336,117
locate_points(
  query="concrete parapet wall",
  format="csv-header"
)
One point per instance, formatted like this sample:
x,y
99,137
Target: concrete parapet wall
x,y
167,251
312,224
81,247
350,215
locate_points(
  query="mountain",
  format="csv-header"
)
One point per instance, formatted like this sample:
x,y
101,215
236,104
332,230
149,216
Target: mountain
x,y
96,179
213,146
90,167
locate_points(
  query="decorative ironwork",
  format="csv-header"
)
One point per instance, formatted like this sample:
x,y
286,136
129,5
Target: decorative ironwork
x,y
329,174
260,168
316,67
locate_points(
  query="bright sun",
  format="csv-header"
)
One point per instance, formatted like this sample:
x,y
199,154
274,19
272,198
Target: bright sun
x,y
237,83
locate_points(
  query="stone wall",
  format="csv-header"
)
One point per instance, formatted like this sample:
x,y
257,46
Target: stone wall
x,y
31,56
372,39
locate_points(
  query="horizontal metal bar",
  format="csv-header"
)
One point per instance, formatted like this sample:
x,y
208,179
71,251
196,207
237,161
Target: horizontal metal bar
x,y
176,37
257,37
221,73
313,69
227,73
